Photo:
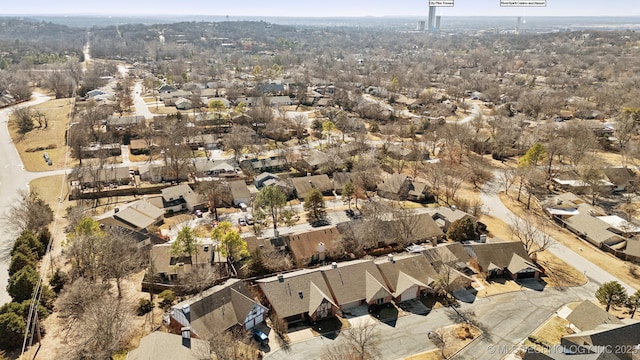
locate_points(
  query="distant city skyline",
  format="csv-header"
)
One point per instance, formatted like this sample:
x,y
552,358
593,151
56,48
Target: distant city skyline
x,y
327,8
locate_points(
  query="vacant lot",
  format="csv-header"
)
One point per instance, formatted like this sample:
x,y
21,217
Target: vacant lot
x,y
53,136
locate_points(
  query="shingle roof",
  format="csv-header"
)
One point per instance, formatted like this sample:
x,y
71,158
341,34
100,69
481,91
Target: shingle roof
x,y
374,288
219,308
291,296
588,316
593,228
348,280
404,268
304,185
164,346
505,255
317,297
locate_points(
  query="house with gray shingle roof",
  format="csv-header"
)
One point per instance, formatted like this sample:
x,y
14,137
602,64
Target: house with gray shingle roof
x,y
497,259
218,309
356,282
588,316
299,295
407,276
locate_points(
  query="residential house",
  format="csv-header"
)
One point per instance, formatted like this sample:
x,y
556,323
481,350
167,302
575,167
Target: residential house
x,y
623,178
240,192
182,104
444,216
137,215
218,309
314,246
579,186
591,228
96,150
407,276
272,164
419,192
181,197
605,342
262,179
100,177
450,262
356,282
299,295
125,122
340,178
395,187
503,258
170,266
620,226
314,161
588,316
303,185
167,89
165,346
401,152
215,168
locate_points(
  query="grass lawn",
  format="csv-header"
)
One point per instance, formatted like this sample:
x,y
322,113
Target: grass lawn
x,y
551,332
57,112
48,189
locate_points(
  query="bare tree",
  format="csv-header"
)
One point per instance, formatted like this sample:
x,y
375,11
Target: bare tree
x,y
121,256
531,233
28,212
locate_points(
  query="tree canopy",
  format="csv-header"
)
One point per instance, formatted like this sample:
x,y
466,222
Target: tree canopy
x,y
315,206
270,201
611,293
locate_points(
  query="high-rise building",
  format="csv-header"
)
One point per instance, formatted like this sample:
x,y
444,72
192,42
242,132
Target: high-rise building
x,y
432,18
421,25
438,22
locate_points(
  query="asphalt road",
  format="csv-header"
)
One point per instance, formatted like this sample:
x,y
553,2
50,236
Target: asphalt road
x,y
13,178
491,202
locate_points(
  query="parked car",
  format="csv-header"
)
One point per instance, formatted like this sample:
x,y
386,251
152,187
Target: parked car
x,y
249,219
241,222
260,337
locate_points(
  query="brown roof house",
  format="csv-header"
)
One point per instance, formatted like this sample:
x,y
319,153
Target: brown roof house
x,y
240,192
407,276
304,185
218,309
165,346
444,216
300,295
314,246
356,282
504,258
395,187
137,215
622,178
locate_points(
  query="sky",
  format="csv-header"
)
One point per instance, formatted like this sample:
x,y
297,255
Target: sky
x,y
307,8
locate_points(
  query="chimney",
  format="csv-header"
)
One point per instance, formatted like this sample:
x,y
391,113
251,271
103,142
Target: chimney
x,y
321,250
280,278
334,265
116,210
390,258
186,337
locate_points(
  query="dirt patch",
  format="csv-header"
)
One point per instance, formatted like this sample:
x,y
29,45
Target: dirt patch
x,y
456,337
549,333
616,267
429,355
53,136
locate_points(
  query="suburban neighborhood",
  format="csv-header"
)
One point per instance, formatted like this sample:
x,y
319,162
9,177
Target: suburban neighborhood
x,y
232,192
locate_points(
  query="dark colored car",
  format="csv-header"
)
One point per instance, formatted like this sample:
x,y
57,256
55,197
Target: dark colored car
x,y
260,337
